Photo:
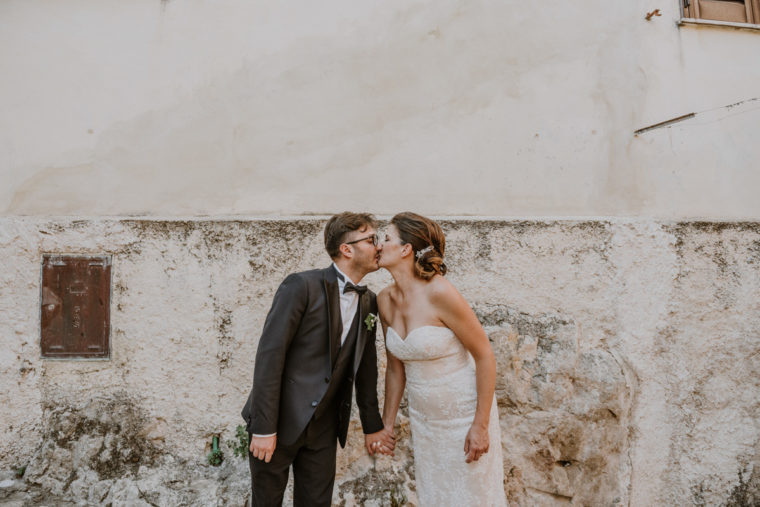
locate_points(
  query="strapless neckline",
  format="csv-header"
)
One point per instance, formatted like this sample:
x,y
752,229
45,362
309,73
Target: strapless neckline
x,y
416,329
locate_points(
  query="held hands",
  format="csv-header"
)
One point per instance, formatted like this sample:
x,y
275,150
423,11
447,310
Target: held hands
x,y
476,443
263,447
383,441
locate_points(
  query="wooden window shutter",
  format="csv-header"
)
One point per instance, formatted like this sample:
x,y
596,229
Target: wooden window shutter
x,y
734,11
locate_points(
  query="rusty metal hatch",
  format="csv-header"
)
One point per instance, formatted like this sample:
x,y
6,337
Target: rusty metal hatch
x,y
75,306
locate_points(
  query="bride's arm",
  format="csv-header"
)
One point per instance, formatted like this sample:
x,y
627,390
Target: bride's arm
x,y
395,376
395,380
457,315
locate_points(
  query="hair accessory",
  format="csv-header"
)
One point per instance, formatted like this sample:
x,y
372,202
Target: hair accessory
x,y
422,252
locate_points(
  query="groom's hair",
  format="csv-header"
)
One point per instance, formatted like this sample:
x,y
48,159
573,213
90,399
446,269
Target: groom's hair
x,y
341,224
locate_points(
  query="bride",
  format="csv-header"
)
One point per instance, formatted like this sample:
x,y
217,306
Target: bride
x,y
437,348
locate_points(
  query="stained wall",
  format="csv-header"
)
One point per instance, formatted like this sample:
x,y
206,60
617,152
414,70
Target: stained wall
x,y
627,353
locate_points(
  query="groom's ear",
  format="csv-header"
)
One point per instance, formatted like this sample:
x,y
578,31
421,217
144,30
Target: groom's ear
x,y
345,251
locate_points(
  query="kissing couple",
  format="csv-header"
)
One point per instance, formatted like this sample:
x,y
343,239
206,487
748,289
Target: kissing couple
x,y
318,342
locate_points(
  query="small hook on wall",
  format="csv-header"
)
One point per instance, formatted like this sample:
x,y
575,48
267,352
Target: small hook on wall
x,y
655,12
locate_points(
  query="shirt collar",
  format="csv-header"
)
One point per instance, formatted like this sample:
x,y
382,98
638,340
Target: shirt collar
x,y
342,277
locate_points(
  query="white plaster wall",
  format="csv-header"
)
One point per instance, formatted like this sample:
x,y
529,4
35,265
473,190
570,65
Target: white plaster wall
x,y
452,108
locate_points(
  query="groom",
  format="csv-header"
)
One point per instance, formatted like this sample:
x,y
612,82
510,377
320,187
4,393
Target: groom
x,y
316,344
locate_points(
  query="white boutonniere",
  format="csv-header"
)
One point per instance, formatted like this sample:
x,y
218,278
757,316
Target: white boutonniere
x,y
370,320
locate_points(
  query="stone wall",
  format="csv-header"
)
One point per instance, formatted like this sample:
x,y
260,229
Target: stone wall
x,y
628,358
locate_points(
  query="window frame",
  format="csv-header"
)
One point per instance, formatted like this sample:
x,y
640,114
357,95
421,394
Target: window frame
x,y
691,15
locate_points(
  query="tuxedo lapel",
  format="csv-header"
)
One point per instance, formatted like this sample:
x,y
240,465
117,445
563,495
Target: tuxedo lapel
x,y
334,321
361,340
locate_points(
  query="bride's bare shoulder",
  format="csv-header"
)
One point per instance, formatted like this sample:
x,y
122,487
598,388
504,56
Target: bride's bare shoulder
x,y
439,284
385,292
385,297
440,289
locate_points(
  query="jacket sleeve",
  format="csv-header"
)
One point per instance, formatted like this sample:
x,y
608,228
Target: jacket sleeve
x,y
281,325
366,382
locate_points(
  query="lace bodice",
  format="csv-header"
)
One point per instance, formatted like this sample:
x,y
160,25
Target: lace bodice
x,y
429,352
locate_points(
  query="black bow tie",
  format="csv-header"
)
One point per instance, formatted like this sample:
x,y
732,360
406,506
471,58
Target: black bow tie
x,y
359,289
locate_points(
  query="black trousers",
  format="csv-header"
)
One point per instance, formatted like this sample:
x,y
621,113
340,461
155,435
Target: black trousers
x,y
312,457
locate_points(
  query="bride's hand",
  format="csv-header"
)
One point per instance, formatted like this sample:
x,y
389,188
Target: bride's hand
x,y
383,441
476,443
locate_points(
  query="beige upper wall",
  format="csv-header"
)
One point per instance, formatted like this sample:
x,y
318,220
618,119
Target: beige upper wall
x,y
449,108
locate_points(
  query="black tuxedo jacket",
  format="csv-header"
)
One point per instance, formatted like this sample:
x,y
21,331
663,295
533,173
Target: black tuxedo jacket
x,y
295,359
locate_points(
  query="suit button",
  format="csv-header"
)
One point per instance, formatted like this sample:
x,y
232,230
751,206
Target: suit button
x,y
314,403
327,380
350,379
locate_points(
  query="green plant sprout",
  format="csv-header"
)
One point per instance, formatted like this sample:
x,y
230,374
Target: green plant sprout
x,y
240,445
216,456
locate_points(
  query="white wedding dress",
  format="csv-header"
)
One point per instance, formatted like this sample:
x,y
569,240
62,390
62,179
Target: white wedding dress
x,y
440,382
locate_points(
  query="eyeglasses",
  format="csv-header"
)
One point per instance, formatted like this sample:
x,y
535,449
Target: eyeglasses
x,y
371,237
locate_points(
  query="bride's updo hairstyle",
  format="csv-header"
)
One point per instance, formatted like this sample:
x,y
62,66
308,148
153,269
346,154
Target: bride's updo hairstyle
x,y
427,240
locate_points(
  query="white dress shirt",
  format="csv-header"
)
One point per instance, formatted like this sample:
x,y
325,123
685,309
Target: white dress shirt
x,y
349,302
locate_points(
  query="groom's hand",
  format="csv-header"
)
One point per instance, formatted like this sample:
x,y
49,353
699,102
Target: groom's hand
x,y
383,441
263,447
